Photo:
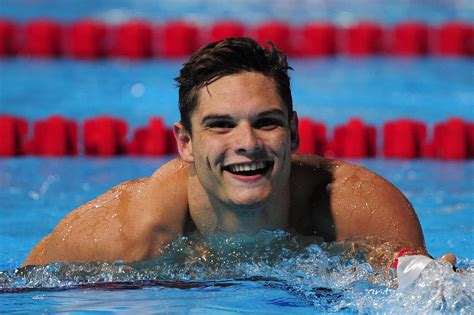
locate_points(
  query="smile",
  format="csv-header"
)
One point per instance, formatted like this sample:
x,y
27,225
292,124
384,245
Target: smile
x,y
249,169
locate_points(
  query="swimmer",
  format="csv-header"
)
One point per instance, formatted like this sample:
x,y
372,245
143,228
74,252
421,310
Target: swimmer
x,y
237,172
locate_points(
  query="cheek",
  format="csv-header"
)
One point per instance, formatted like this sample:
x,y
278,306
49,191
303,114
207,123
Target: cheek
x,y
280,141
209,147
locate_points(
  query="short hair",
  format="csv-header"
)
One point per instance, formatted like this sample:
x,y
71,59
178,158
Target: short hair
x,y
226,57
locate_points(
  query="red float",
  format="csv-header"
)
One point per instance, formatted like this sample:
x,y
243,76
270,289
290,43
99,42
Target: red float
x,y
410,39
404,138
135,147
42,38
319,39
364,38
451,139
156,138
87,39
279,33
455,39
12,132
312,137
134,40
225,29
54,136
354,140
8,33
104,136
179,38
470,139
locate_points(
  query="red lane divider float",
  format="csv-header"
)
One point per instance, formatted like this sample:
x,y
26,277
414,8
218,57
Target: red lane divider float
x,y
54,136
139,39
353,140
279,33
43,38
154,139
178,39
8,38
105,136
87,39
410,39
455,38
134,40
452,139
225,29
313,138
363,39
318,39
12,132
404,139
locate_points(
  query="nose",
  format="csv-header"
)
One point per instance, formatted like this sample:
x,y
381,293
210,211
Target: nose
x,y
246,140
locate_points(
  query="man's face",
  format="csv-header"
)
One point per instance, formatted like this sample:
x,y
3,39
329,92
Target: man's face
x,y
241,141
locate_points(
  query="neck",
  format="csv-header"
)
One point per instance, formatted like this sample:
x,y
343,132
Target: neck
x,y
211,215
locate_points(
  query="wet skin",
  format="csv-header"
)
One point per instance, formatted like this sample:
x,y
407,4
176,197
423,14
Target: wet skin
x,y
236,173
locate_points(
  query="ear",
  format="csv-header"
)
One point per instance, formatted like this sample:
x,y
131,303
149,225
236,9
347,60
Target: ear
x,y
295,137
184,142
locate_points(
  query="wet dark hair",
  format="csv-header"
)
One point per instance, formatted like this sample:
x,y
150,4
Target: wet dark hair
x,y
226,57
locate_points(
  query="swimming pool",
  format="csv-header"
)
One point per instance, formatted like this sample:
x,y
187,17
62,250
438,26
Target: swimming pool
x,y
272,273
36,193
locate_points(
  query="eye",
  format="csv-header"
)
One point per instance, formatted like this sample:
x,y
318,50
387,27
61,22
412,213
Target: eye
x,y
268,123
220,124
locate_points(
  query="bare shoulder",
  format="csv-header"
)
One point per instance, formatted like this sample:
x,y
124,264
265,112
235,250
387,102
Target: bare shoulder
x,y
131,221
366,204
355,201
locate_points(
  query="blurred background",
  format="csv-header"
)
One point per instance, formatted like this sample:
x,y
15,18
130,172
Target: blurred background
x,y
375,61
392,79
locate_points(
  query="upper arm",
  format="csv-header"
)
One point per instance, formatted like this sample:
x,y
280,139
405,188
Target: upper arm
x,y
365,204
83,232
131,221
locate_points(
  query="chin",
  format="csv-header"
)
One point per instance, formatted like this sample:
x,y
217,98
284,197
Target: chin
x,y
253,201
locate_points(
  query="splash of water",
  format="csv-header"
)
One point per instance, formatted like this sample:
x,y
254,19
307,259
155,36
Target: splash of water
x,y
330,276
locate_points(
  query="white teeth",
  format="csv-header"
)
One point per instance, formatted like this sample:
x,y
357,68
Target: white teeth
x,y
247,167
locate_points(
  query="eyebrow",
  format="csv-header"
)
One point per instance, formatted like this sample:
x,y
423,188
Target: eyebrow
x,y
277,112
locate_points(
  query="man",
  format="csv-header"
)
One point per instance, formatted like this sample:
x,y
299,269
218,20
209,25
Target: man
x,y
236,173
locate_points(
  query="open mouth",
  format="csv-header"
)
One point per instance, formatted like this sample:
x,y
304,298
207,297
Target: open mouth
x,y
249,169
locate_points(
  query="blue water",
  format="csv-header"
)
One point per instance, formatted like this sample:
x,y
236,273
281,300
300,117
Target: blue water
x,y
272,272
203,11
329,90
36,193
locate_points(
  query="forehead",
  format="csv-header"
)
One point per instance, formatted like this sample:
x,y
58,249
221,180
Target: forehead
x,y
246,91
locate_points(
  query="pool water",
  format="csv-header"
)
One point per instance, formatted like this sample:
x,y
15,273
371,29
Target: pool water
x,y
327,90
272,272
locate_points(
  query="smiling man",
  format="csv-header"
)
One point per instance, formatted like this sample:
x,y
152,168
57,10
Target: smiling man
x,y
237,172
